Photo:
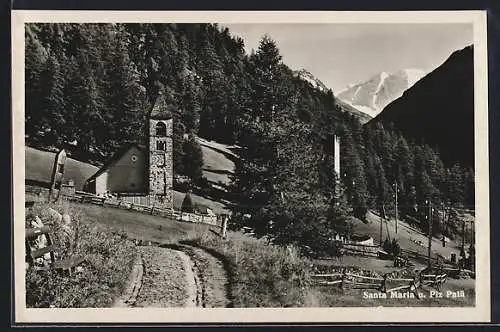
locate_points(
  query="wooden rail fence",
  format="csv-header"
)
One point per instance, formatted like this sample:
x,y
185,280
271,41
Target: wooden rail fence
x,y
383,284
84,197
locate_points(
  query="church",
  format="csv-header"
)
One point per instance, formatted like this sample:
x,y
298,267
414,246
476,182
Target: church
x,y
141,174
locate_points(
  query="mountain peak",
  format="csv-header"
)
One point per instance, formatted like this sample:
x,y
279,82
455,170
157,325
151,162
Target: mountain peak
x,y
372,95
311,79
412,75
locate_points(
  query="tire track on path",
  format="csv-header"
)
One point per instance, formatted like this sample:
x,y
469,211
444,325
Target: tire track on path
x,y
193,287
211,278
176,276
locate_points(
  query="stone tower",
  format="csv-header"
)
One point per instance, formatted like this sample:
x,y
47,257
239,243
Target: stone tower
x,y
160,155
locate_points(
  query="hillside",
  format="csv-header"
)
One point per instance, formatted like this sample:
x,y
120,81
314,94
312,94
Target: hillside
x,y
439,109
218,161
372,95
39,166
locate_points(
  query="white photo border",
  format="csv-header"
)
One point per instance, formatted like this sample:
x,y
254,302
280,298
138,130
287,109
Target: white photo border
x,y
479,313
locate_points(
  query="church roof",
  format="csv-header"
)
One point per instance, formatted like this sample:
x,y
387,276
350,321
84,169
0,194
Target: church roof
x,y
161,110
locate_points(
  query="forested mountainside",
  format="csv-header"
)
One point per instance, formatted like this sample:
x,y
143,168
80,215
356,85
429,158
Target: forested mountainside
x,y
89,88
439,109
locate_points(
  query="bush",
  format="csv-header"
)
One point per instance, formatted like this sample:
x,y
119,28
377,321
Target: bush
x,y
109,258
395,248
387,246
261,275
187,204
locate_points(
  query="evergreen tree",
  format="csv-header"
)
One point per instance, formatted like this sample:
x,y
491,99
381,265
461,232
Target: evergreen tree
x,y
35,61
52,105
187,204
192,159
354,176
456,189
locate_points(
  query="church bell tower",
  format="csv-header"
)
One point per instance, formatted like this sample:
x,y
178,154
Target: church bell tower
x,y
160,155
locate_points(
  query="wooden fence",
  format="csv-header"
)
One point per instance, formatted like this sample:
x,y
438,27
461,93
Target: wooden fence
x,y
196,218
84,197
422,257
360,249
383,284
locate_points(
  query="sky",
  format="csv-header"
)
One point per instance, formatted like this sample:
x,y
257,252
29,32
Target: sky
x,y
343,54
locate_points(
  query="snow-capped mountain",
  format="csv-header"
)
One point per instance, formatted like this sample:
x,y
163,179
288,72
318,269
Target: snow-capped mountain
x,y
374,94
311,79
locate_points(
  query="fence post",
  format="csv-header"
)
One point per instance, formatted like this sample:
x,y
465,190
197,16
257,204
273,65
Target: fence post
x,y
383,287
57,176
344,276
224,227
414,287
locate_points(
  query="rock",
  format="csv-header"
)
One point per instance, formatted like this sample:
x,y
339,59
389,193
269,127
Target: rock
x,y
37,222
66,218
56,216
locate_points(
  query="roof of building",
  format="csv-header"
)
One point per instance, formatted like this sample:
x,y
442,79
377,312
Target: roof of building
x,y
115,158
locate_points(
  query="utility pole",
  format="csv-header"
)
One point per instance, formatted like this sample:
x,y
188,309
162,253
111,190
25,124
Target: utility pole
x,y
463,234
396,205
430,233
386,223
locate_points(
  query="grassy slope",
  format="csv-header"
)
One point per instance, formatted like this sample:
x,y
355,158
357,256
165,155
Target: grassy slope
x,y
217,163
39,166
139,225
404,236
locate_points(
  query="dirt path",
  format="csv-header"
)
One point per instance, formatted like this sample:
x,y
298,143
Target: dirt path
x,y
134,284
212,277
193,287
177,276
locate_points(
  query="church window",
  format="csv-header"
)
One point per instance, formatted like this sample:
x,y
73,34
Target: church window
x,y
160,145
161,129
133,158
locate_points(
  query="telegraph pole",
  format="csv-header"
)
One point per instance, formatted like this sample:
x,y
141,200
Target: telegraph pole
x,y
430,233
463,234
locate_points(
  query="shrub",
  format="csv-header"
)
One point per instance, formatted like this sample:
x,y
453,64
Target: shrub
x,y
395,248
261,275
387,246
109,257
187,204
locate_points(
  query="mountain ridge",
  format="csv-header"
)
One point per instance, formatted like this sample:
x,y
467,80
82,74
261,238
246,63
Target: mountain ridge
x,y
424,111
372,95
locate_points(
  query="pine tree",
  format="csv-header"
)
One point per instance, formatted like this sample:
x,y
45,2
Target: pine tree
x,y
456,185
52,103
354,176
35,62
193,159
187,204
